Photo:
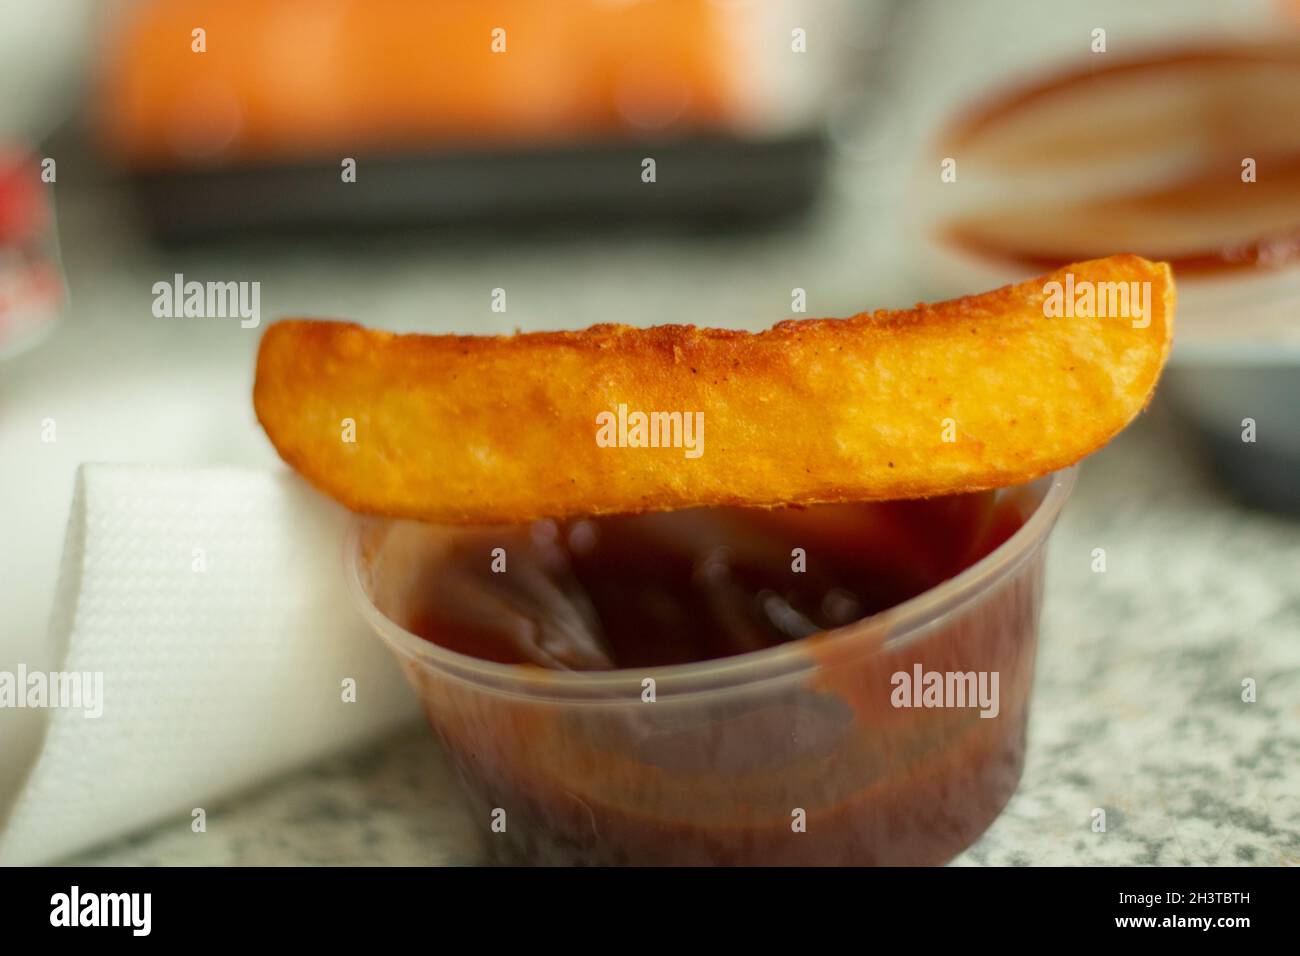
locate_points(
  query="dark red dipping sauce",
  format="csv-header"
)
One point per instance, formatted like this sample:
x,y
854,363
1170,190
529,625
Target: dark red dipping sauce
x,y
686,586
723,772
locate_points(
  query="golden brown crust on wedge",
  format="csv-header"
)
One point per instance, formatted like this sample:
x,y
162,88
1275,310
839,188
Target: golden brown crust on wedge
x,y
975,393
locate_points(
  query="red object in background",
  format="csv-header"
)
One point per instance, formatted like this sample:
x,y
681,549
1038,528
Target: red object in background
x,y
24,213
31,287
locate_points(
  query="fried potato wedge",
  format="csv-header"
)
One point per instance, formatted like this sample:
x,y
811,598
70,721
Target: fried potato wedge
x,y
980,392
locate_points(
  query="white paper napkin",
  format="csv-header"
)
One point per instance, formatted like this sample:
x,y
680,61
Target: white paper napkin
x,y
213,603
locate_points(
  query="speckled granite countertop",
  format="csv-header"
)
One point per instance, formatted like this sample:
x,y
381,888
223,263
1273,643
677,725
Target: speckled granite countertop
x,y
1138,705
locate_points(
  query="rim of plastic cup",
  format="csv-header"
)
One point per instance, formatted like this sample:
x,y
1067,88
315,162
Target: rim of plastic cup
x,y
900,624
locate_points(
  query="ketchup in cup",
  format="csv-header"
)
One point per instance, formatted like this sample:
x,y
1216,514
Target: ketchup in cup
x,y
725,686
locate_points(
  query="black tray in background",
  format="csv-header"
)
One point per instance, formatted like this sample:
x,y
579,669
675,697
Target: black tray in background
x,y
702,182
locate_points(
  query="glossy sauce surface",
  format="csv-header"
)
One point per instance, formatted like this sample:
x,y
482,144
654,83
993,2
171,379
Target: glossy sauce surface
x,y
674,588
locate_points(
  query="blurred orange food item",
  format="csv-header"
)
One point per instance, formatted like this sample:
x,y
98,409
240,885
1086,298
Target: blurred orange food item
x,y
270,80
